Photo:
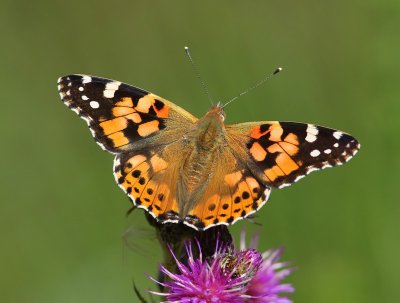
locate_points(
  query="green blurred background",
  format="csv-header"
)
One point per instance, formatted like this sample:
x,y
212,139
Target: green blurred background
x,y
62,216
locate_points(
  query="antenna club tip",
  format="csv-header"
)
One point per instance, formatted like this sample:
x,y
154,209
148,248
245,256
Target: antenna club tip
x,y
279,69
186,48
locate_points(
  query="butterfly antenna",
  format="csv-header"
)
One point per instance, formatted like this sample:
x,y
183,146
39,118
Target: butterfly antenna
x,y
276,71
196,70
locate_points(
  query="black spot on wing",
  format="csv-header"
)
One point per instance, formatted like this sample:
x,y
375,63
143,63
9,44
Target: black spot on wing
x,y
131,131
159,105
130,91
264,127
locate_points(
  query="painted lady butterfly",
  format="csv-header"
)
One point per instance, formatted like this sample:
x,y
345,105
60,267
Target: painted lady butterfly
x,y
197,171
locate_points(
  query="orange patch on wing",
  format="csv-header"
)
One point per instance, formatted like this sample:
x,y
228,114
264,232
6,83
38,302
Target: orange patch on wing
x,y
148,128
292,138
114,125
233,178
274,172
289,148
276,133
163,200
118,139
144,104
274,148
257,134
134,162
148,194
158,163
278,171
122,111
258,152
131,180
243,192
286,163
163,112
254,186
208,211
126,101
135,117
172,205
224,208
271,175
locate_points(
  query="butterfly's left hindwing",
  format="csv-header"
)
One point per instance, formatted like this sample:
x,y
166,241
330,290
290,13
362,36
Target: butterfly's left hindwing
x,y
284,152
122,117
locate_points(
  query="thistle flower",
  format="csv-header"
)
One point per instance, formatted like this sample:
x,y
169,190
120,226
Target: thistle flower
x,y
237,276
203,280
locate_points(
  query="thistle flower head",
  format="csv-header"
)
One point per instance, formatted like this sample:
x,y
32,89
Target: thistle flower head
x,y
203,280
230,275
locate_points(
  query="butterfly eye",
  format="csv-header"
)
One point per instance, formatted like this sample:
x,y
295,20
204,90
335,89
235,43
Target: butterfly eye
x,y
222,116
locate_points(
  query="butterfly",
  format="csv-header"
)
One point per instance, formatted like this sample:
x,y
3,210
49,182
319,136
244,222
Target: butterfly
x,y
199,172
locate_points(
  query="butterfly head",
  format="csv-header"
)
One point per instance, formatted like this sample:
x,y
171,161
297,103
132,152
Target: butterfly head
x,y
217,112
210,128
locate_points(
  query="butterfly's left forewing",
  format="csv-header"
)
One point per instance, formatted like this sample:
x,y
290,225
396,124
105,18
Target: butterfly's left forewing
x,y
281,153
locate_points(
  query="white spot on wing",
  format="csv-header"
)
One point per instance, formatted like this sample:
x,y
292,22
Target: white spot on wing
x,y
312,129
348,158
315,153
85,97
327,151
86,79
87,119
80,88
325,165
94,104
110,89
312,132
109,93
299,177
337,134
336,145
92,131
311,138
311,169
76,110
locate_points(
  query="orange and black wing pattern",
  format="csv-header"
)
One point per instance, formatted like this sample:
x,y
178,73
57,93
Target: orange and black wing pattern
x,y
281,153
122,117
